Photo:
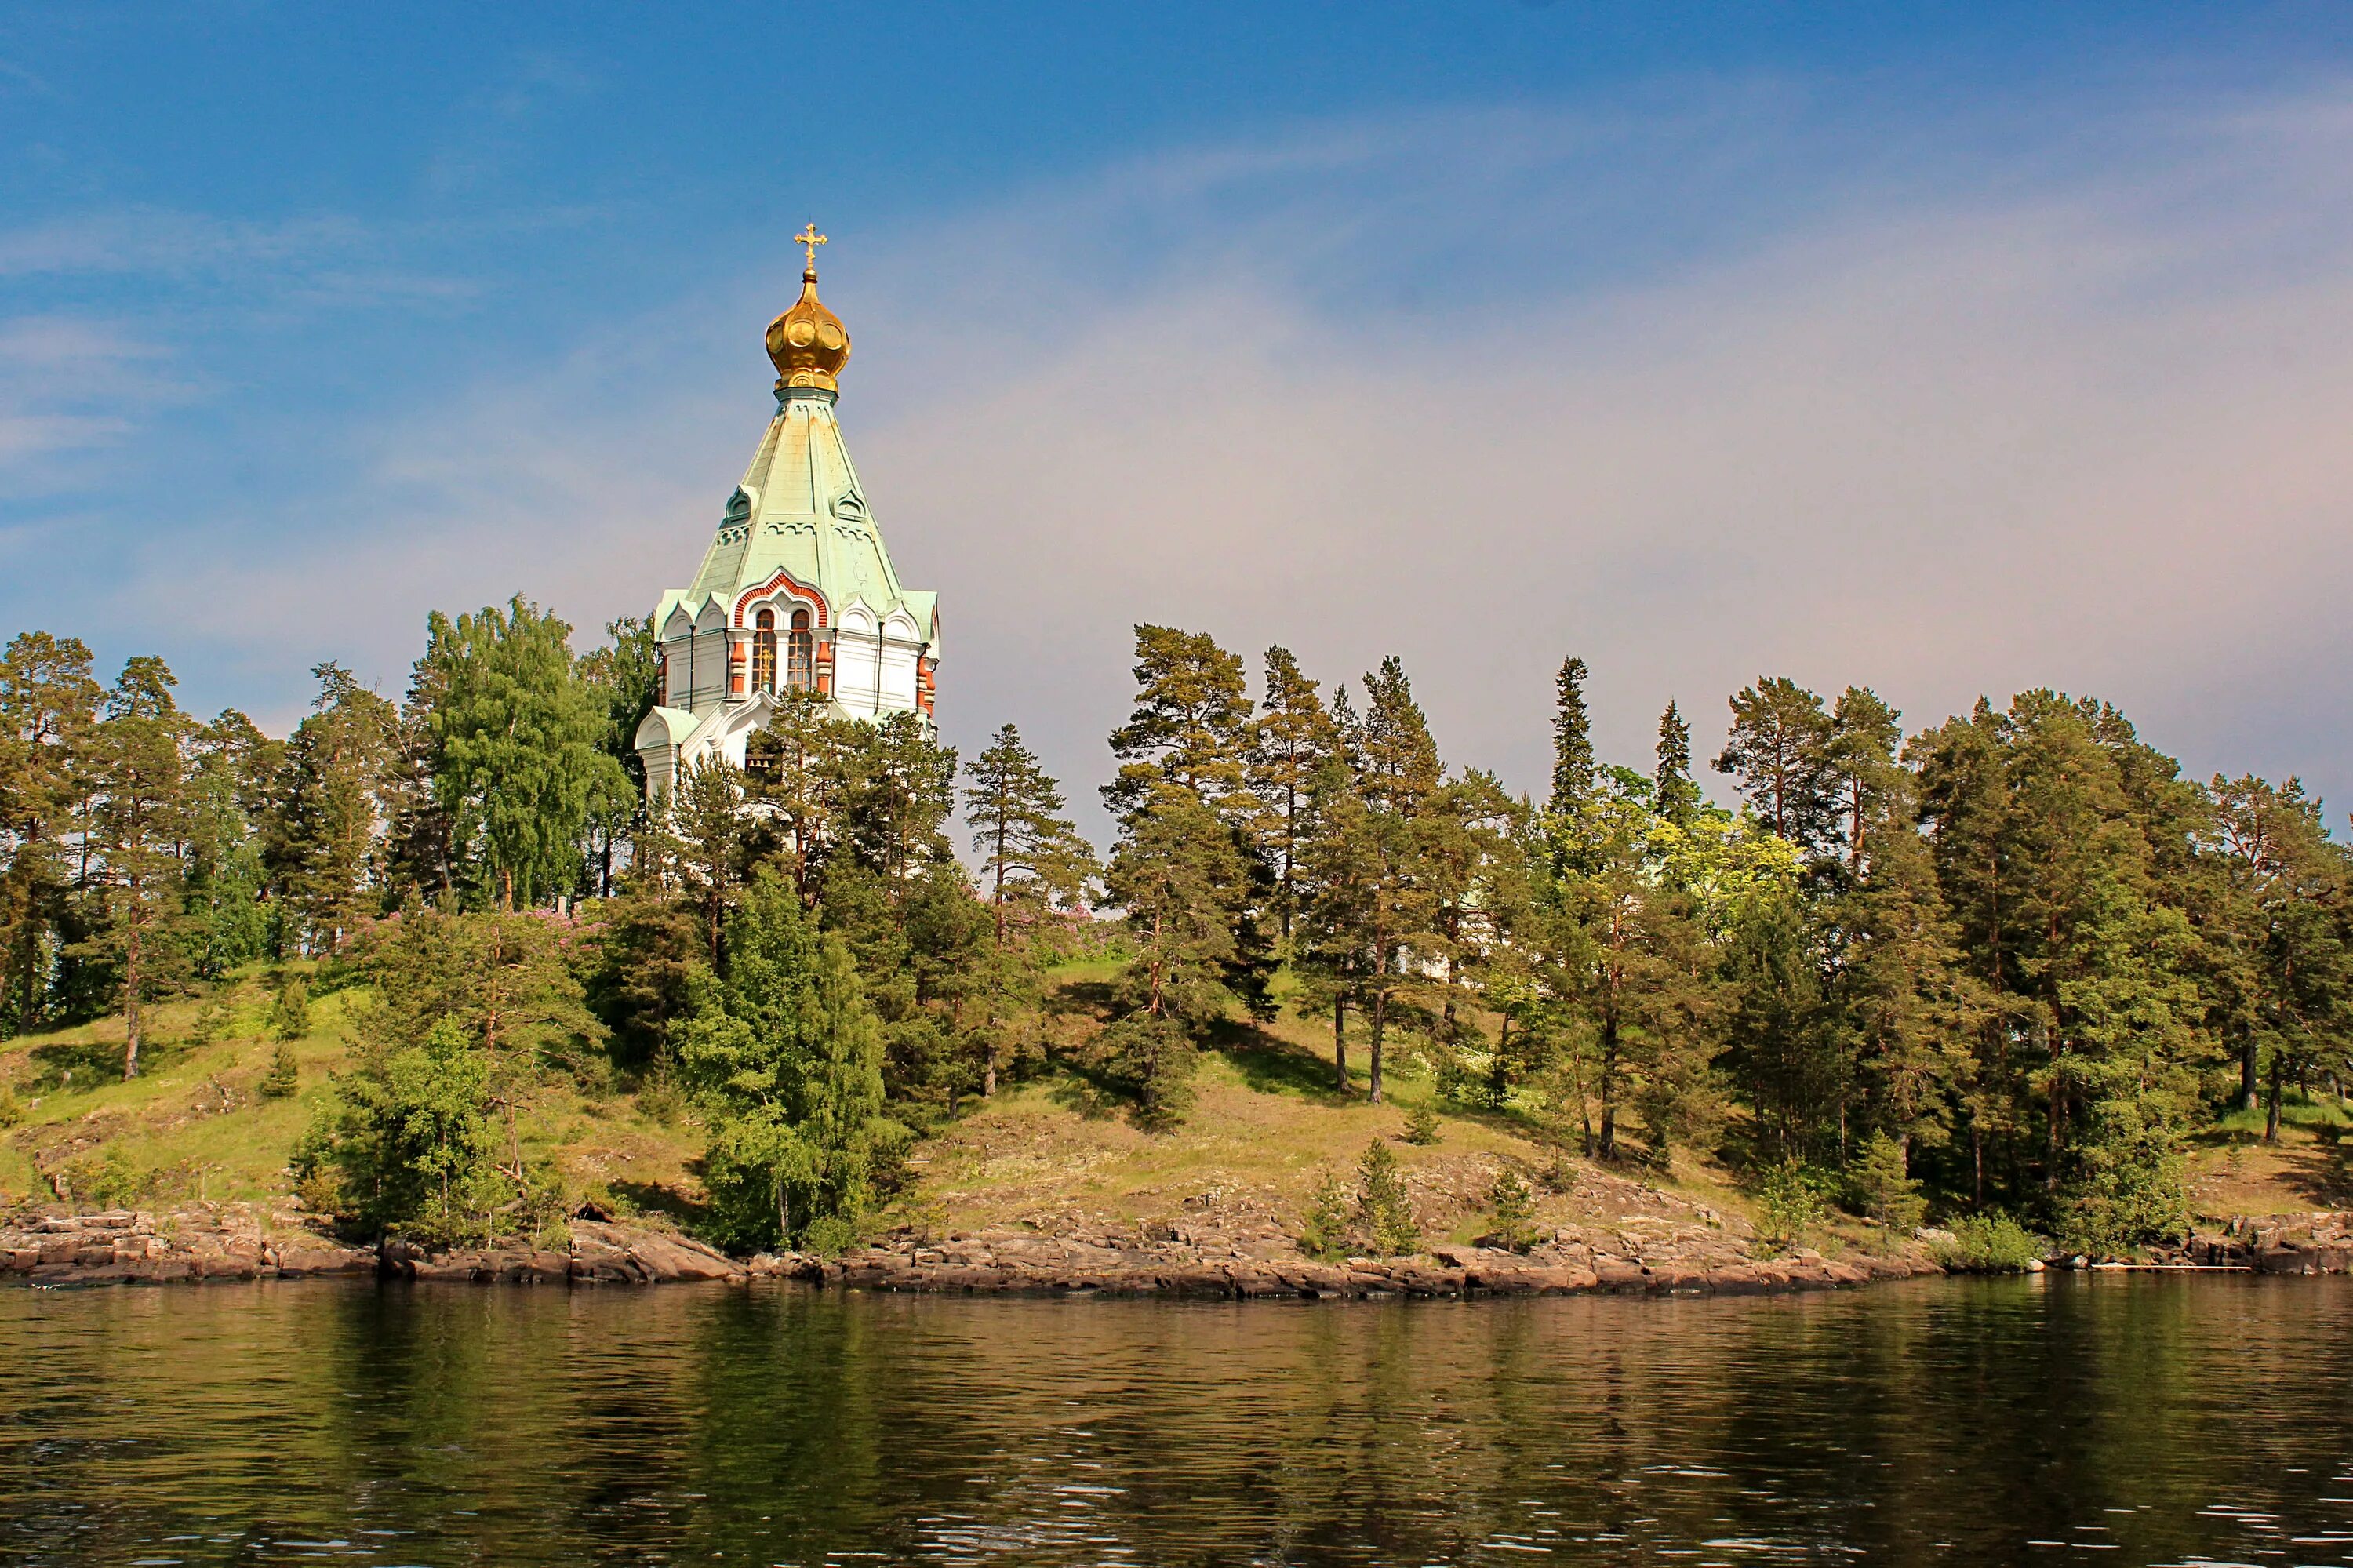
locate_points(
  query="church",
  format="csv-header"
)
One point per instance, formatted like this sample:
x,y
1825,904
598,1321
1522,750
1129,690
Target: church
x,y
796,591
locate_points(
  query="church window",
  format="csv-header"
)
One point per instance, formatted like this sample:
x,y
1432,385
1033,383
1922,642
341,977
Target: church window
x,y
763,652
802,668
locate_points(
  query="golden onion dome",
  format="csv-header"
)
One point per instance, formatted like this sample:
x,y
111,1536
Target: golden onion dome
x,y
807,342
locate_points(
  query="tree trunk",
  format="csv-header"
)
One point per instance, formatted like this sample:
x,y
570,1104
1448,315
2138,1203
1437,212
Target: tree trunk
x,y
2272,1110
1606,1147
1380,1020
1340,1041
130,1000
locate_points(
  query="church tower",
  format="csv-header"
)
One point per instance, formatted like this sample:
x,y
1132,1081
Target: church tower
x,y
796,590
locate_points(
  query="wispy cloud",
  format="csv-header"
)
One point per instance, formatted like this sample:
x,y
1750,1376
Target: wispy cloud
x,y
1942,428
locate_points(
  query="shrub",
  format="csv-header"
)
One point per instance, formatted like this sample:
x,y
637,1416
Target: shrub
x,y
11,1112
658,1099
290,1013
1789,1203
211,1024
1382,1205
830,1235
1324,1234
1421,1125
1157,1059
1991,1244
101,1179
1514,1208
285,1075
1879,1188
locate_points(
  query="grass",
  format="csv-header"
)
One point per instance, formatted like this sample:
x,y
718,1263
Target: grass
x,y
1057,1153
194,1124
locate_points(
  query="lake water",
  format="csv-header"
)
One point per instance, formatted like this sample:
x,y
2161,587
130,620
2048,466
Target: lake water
x,y
2114,1420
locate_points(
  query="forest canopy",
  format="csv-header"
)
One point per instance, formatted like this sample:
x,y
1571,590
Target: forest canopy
x,y
2009,961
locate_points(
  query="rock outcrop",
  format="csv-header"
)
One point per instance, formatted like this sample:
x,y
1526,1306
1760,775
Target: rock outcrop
x,y
1033,1265
204,1241
250,1241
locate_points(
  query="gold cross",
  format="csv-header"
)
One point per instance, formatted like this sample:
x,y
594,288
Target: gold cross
x,y
808,240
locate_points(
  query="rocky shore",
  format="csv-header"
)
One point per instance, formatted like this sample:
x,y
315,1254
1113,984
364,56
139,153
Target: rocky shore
x,y
254,1241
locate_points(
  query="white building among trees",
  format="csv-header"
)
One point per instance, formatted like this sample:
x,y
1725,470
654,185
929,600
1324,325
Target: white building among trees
x,y
796,590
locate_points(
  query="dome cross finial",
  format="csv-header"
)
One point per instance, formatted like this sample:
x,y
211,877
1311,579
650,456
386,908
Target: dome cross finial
x,y
808,240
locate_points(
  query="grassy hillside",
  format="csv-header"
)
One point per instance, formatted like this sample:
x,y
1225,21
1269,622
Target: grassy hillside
x,y
1057,1154
195,1123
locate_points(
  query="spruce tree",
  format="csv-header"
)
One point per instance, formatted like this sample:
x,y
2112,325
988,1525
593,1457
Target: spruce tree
x,y
1673,794
326,813
1572,741
232,766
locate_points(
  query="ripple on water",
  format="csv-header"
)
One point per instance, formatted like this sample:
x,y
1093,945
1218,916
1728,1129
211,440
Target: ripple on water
x,y
2114,1420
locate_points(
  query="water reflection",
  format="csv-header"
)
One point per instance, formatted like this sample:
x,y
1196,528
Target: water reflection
x,y
2120,1420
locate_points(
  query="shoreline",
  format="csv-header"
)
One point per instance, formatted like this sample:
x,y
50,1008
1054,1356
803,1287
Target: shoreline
x,y
202,1242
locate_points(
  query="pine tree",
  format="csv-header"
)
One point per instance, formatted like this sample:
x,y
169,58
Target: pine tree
x,y
48,712
1179,877
1777,750
1293,738
2289,924
798,772
1031,855
1374,899
898,792
138,823
701,848
1859,760
1190,729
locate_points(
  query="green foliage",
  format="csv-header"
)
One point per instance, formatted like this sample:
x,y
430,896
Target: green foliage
x,y
1324,1230
1384,1208
285,1076
1790,1202
519,755
1513,1208
103,1177
289,1009
1032,859
1156,1059
211,1022
1991,1244
12,1111
2128,1191
1421,1125
408,1138
319,828
786,1053
1879,1187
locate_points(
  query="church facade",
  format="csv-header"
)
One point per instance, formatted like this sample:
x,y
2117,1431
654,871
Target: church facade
x,y
796,591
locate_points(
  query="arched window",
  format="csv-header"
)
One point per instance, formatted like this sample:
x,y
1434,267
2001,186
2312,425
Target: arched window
x,y
763,652
800,668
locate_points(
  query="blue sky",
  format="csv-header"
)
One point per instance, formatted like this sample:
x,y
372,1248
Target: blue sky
x,y
1946,349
